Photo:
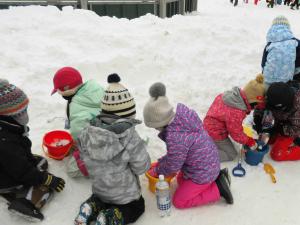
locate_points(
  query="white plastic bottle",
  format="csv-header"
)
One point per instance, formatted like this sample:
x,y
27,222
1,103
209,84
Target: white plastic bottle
x,y
163,197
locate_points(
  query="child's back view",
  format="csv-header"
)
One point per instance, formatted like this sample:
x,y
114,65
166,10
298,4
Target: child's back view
x,y
278,61
114,155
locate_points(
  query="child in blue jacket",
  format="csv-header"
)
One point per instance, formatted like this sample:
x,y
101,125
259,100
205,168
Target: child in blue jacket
x,y
278,61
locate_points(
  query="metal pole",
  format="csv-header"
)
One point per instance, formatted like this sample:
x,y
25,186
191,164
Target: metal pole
x,y
162,8
84,4
181,7
53,2
194,5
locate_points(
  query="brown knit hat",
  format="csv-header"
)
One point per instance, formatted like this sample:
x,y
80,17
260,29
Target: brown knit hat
x,y
255,89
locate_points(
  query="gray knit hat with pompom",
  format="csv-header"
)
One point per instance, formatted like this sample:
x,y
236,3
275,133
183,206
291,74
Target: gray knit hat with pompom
x,y
158,112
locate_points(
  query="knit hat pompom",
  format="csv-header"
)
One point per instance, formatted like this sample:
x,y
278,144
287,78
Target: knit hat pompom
x,y
113,78
260,78
157,89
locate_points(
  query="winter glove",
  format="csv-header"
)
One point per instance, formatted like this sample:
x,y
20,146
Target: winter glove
x,y
251,143
53,182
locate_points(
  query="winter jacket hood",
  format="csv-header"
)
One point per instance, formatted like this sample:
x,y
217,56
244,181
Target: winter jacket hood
x,y
234,99
84,106
192,122
278,33
112,126
86,95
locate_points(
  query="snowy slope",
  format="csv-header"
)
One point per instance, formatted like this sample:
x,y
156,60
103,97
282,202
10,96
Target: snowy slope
x,y
197,56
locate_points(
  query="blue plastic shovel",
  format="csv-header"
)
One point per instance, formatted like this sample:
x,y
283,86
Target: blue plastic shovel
x,y
239,171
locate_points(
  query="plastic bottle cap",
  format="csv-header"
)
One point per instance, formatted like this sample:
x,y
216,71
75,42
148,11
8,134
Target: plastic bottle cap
x,y
161,177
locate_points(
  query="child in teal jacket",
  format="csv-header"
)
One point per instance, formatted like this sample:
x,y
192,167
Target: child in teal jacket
x,y
83,104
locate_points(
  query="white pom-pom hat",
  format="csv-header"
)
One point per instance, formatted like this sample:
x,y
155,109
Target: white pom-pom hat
x,y
158,112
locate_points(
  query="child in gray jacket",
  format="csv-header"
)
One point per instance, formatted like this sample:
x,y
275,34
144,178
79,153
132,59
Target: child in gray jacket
x,y
114,155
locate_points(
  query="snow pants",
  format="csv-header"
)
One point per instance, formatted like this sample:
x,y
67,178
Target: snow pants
x,y
189,194
227,151
284,149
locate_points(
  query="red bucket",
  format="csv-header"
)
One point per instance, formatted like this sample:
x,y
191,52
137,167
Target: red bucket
x,y
58,144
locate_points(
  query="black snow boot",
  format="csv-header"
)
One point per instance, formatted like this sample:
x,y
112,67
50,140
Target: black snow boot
x,y
227,176
235,2
231,1
224,189
9,196
26,209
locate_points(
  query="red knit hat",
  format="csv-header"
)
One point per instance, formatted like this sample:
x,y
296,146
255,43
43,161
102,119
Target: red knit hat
x,y
65,79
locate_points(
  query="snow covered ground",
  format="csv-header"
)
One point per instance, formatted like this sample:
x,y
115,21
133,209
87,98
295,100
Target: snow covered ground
x,y
197,56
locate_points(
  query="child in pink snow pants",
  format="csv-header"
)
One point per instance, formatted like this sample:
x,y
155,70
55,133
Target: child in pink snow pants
x,y
190,150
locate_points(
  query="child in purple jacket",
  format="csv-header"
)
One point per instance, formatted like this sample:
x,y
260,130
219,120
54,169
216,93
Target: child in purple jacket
x,y
190,150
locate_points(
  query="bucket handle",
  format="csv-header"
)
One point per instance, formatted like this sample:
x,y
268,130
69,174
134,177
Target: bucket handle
x,y
54,157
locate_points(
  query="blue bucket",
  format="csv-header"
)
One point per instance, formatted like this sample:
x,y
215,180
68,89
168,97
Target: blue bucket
x,y
253,158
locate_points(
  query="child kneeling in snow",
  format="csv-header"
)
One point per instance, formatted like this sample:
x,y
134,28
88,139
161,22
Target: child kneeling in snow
x,y
190,150
114,155
25,182
226,114
82,105
283,100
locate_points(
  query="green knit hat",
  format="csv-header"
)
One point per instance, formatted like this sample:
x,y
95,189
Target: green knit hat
x,y
13,100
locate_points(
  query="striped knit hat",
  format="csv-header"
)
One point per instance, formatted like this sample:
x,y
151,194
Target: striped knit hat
x,y
13,101
281,20
117,100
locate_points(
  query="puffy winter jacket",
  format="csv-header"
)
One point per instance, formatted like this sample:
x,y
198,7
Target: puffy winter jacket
x,y
189,148
278,61
290,120
226,114
114,155
17,164
85,105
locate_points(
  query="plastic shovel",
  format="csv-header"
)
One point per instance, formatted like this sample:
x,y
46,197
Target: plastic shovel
x,y
239,171
270,170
